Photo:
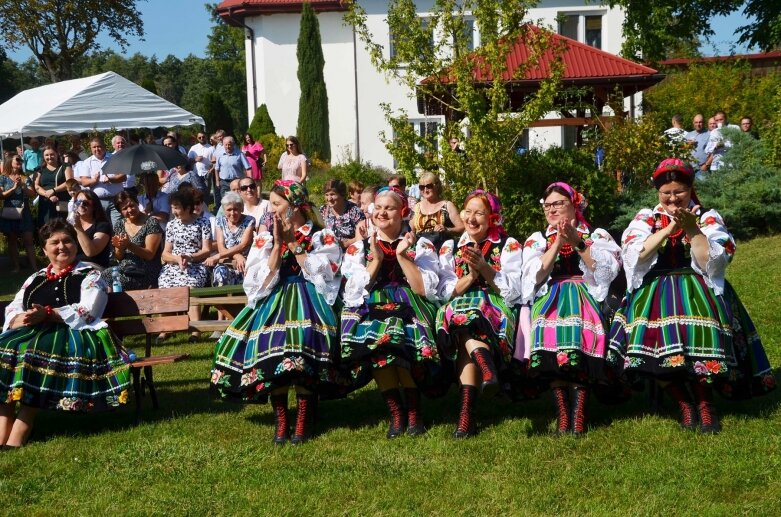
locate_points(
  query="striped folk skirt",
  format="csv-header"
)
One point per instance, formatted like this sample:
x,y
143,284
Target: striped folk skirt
x,y
395,327
753,374
477,314
51,366
673,326
288,338
568,334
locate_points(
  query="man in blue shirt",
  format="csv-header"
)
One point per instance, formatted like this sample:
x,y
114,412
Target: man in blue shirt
x,y
698,139
231,164
33,157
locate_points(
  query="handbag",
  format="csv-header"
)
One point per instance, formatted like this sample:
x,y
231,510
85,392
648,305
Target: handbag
x,y
12,213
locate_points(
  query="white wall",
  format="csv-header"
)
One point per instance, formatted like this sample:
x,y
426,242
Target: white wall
x,y
346,64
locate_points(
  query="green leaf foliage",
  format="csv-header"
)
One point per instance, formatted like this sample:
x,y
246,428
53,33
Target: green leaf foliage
x,y
59,32
706,88
437,47
216,114
313,124
261,123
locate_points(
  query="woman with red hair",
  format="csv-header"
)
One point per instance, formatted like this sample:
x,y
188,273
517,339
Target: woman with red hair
x,y
481,279
567,271
674,324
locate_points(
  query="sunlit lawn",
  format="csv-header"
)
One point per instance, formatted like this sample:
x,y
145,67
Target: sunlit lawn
x,y
200,456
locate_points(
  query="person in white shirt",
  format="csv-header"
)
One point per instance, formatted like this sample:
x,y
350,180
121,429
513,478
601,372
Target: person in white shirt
x,y
717,144
119,143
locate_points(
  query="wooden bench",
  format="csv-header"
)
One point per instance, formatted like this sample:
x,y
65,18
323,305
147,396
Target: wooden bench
x,y
228,300
148,312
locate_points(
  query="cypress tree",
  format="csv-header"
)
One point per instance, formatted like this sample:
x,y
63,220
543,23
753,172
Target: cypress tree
x,y
313,105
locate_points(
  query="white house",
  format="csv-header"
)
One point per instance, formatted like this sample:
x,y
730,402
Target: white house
x,y
355,88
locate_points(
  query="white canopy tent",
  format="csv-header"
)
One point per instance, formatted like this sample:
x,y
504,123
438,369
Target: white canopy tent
x,y
100,102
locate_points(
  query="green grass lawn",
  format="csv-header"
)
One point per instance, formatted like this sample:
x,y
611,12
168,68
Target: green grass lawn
x,y
200,456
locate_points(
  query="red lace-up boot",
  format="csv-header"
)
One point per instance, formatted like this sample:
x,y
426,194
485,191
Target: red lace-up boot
x,y
396,409
415,425
281,424
681,396
579,407
709,421
304,419
484,361
466,418
561,400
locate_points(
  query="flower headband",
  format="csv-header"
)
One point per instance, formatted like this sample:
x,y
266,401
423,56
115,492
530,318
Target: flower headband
x,y
576,198
673,169
295,193
394,190
495,219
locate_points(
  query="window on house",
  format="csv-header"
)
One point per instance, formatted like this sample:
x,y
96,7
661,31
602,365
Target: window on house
x,y
586,29
428,130
424,22
568,26
569,137
594,31
469,34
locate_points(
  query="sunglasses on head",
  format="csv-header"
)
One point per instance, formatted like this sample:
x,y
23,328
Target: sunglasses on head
x,y
249,186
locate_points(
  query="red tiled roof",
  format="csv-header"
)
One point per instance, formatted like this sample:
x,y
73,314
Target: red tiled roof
x,y
240,9
581,62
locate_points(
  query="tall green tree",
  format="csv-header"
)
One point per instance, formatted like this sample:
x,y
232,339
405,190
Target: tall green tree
x,y
765,33
225,53
449,65
58,32
313,125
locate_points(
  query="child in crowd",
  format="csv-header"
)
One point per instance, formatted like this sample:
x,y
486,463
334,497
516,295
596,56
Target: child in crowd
x,y
73,187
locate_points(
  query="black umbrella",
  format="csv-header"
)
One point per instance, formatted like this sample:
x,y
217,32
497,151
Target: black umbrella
x,y
141,158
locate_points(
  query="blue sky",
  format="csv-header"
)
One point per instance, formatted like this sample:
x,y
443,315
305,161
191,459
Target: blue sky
x,y
181,27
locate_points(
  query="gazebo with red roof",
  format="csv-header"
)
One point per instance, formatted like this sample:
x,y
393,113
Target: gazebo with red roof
x,y
602,72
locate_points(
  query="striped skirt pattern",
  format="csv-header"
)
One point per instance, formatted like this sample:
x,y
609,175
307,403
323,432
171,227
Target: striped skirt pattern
x,y
569,339
753,374
673,326
478,314
289,338
394,327
52,366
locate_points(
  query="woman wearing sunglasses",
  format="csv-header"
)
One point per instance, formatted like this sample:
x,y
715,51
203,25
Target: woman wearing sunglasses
x,y
293,163
567,271
435,218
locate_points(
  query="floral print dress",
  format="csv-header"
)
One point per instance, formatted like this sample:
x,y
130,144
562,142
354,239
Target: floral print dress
x,y
288,332
386,323
674,322
185,239
226,274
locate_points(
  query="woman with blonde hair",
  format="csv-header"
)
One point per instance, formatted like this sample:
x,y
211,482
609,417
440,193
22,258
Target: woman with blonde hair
x,y
435,218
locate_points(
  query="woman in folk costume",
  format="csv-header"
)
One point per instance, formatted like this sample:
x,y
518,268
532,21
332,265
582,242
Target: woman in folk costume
x,y
287,333
56,352
389,312
481,278
567,271
674,323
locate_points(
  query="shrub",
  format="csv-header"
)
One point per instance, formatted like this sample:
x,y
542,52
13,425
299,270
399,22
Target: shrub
x,y
261,123
533,171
